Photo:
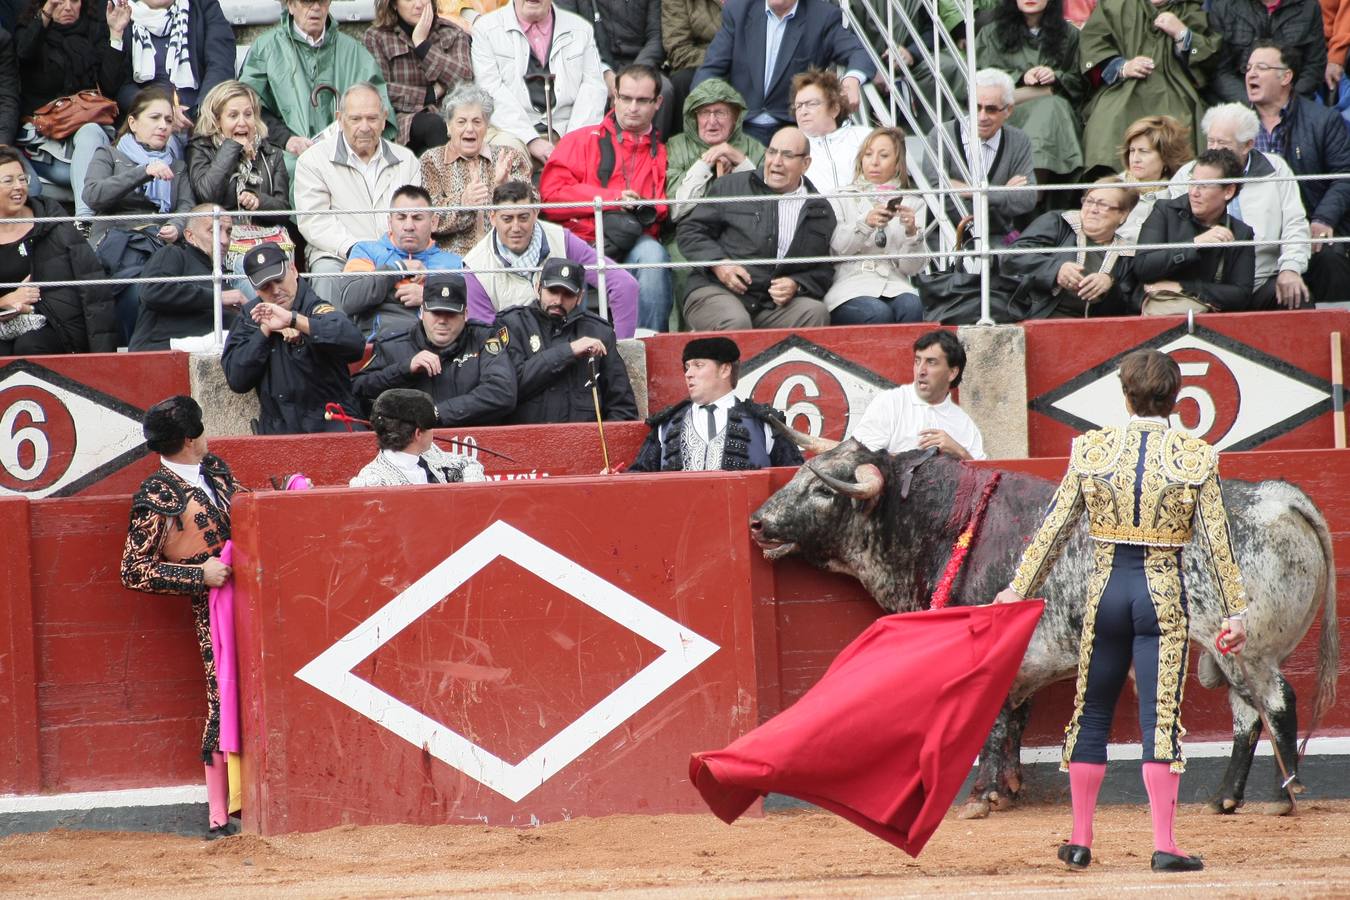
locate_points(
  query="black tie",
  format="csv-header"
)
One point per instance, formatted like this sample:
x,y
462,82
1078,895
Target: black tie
x,y
710,409
431,479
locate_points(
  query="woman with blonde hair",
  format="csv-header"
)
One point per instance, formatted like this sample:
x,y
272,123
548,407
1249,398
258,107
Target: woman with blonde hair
x,y
1153,149
878,216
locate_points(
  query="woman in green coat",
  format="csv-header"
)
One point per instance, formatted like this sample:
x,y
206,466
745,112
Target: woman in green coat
x,y
1032,42
1151,57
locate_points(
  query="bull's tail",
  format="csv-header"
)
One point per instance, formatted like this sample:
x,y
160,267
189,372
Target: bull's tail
x,y
1329,647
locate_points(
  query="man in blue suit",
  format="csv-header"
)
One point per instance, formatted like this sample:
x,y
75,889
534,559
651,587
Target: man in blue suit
x,y
763,43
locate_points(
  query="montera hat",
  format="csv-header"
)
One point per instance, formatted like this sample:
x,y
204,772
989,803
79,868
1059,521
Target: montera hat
x,y
406,405
445,293
172,421
265,263
717,349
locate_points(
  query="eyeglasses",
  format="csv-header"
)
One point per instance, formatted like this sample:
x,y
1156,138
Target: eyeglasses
x,y
1093,203
801,105
636,101
990,109
1263,68
782,154
13,180
712,113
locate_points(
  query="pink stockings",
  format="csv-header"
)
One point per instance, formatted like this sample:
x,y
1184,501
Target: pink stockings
x,y
1162,785
1085,781
218,789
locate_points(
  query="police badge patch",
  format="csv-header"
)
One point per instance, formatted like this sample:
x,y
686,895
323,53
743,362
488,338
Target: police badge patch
x,y
534,343
497,342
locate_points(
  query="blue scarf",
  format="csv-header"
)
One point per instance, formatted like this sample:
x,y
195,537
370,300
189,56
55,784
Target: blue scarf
x,y
159,191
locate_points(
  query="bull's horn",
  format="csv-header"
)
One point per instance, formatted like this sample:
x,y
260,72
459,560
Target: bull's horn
x,y
808,442
866,485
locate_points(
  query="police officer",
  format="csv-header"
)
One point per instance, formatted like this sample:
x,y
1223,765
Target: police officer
x,y
292,348
462,365
552,343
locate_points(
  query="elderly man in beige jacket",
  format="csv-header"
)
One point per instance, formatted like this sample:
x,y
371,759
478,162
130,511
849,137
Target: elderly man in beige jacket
x,y
350,167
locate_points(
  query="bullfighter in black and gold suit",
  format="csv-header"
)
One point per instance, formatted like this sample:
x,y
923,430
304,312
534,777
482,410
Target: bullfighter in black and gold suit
x,y
180,520
1145,488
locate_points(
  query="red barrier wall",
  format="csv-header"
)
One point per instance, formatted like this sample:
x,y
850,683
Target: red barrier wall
x,y
823,378
70,422
819,612
18,676
1248,379
532,656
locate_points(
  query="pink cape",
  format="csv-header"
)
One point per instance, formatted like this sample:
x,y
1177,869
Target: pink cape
x,y
227,664
888,735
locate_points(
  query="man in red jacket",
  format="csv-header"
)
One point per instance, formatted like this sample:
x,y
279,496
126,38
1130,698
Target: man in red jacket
x,y
622,160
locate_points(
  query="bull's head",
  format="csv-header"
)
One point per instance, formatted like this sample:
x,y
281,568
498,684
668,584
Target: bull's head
x,y
811,514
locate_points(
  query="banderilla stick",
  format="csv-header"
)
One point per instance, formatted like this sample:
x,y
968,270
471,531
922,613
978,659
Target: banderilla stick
x,y
333,412
595,396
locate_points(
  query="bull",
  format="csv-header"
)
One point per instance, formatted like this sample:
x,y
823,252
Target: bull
x,y
890,522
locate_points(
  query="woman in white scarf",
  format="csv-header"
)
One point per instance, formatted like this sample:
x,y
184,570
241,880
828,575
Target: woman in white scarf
x,y
185,47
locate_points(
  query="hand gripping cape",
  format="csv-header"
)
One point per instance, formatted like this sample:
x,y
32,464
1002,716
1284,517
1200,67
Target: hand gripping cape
x,y
887,737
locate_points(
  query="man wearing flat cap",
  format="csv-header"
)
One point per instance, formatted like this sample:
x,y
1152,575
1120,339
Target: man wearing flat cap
x,y
552,343
292,348
713,429
180,520
461,365
403,419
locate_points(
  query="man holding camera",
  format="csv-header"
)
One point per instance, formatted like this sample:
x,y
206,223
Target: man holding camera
x,y
620,161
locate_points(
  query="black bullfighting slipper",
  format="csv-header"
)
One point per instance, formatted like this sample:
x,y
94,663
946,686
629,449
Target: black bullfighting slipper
x,y
1075,856
1171,862
215,833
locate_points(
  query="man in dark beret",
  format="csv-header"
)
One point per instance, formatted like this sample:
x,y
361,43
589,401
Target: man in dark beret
x,y
180,520
713,429
403,419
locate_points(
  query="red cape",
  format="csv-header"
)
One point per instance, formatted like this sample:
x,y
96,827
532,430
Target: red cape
x,y
887,737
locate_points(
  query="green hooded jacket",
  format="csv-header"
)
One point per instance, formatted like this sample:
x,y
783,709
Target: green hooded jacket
x,y
683,149
284,70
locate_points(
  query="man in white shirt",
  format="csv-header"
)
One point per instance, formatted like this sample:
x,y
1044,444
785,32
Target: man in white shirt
x,y
922,415
403,419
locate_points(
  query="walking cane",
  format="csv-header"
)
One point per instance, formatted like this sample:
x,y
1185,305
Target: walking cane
x,y
595,396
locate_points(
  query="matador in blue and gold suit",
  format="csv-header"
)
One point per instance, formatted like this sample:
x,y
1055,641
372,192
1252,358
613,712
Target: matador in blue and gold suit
x,y
1145,487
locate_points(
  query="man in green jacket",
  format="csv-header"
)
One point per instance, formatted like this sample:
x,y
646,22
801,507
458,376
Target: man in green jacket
x,y
293,65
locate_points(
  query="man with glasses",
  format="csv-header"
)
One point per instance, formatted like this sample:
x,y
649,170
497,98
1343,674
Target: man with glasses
x,y
1269,202
776,215
1244,23
1313,140
1086,269
1003,151
621,161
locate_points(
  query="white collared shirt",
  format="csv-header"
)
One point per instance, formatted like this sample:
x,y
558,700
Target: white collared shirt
x,y
895,417
988,149
313,42
789,212
407,464
193,475
1156,420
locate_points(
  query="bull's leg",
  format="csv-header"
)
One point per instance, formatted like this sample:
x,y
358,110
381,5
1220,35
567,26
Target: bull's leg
x,y
998,777
1283,714
1246,732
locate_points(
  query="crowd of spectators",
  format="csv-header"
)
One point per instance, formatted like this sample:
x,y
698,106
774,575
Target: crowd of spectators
x,y
718,134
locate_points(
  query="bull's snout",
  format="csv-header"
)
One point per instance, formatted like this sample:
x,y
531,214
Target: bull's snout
x,y
770,547
756,526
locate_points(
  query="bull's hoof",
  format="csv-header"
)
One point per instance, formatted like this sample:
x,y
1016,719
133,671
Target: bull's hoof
x,y
1223,806
1000,802
1277,807
974,809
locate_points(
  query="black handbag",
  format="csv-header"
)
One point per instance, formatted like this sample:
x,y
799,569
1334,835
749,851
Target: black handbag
x,y
951,296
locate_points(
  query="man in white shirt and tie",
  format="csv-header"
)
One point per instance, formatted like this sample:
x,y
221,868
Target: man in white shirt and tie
x,y
714,429
1004,151
403,419
921,415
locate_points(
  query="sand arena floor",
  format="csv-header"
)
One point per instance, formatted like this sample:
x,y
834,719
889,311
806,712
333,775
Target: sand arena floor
x,y
796,853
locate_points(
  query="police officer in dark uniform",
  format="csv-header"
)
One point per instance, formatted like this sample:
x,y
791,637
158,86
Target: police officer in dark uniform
x,y
462,365
551,345
714,429
292,348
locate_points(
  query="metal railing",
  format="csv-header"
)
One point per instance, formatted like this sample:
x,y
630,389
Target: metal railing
x,y
983,255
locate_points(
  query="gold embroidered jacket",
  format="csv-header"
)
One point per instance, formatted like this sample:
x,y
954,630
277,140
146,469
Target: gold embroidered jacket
x,y
1143,483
